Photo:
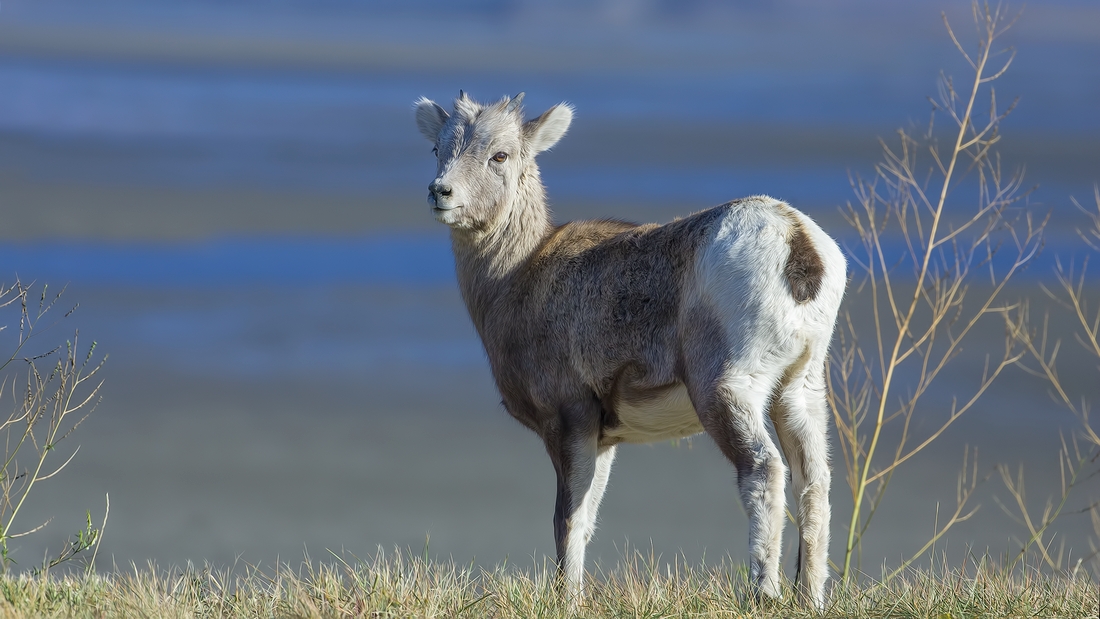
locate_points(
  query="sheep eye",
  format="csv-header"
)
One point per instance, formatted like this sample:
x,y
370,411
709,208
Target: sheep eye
x,y
435,151
500,157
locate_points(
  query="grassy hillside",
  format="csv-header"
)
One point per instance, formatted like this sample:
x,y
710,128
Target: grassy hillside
x,y
397,586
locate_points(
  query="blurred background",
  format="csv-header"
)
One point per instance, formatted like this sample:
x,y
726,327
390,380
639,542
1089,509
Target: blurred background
x,y
234,194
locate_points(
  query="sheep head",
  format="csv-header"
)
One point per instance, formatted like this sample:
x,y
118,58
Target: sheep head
x,y
484,154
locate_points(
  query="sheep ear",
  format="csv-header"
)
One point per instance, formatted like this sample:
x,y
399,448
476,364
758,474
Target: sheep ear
x,y
430,118
545,131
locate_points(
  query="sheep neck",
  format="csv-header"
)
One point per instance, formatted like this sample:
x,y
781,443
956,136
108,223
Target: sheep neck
x,y
487,259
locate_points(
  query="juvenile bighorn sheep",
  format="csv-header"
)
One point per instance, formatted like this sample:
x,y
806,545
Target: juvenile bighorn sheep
x,y
604,332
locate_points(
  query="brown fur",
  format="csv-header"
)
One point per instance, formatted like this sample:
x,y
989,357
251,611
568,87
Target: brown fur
x,y
804,268
590,281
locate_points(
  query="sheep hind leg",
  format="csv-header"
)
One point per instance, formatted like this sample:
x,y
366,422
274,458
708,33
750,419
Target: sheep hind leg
x,y
800,417
739,427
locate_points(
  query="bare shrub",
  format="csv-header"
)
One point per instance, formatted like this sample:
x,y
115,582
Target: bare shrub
x,y
1079,458
51,393
942,230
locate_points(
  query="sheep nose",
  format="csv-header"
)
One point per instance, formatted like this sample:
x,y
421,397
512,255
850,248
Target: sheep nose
x,y
439,190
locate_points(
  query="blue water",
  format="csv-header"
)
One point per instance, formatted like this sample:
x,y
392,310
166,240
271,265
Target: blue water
x,y
416,260
341,123
316,99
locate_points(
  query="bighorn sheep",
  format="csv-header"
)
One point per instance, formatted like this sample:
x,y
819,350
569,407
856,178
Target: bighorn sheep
x,y
604,332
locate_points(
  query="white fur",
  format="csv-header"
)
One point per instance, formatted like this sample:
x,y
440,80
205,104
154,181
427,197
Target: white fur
x,y
551,127
590,471
430,118
740,276
805,423
667,416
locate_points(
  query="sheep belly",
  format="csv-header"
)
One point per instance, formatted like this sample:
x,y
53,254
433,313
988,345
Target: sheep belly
x,y
661,415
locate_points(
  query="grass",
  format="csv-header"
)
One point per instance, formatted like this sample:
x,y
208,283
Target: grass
x,y
398,586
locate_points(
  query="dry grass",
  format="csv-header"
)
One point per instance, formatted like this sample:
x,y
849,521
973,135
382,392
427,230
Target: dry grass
x,y
398,586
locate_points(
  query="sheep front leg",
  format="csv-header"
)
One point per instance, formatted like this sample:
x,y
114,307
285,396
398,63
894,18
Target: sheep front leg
x,y
582,471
